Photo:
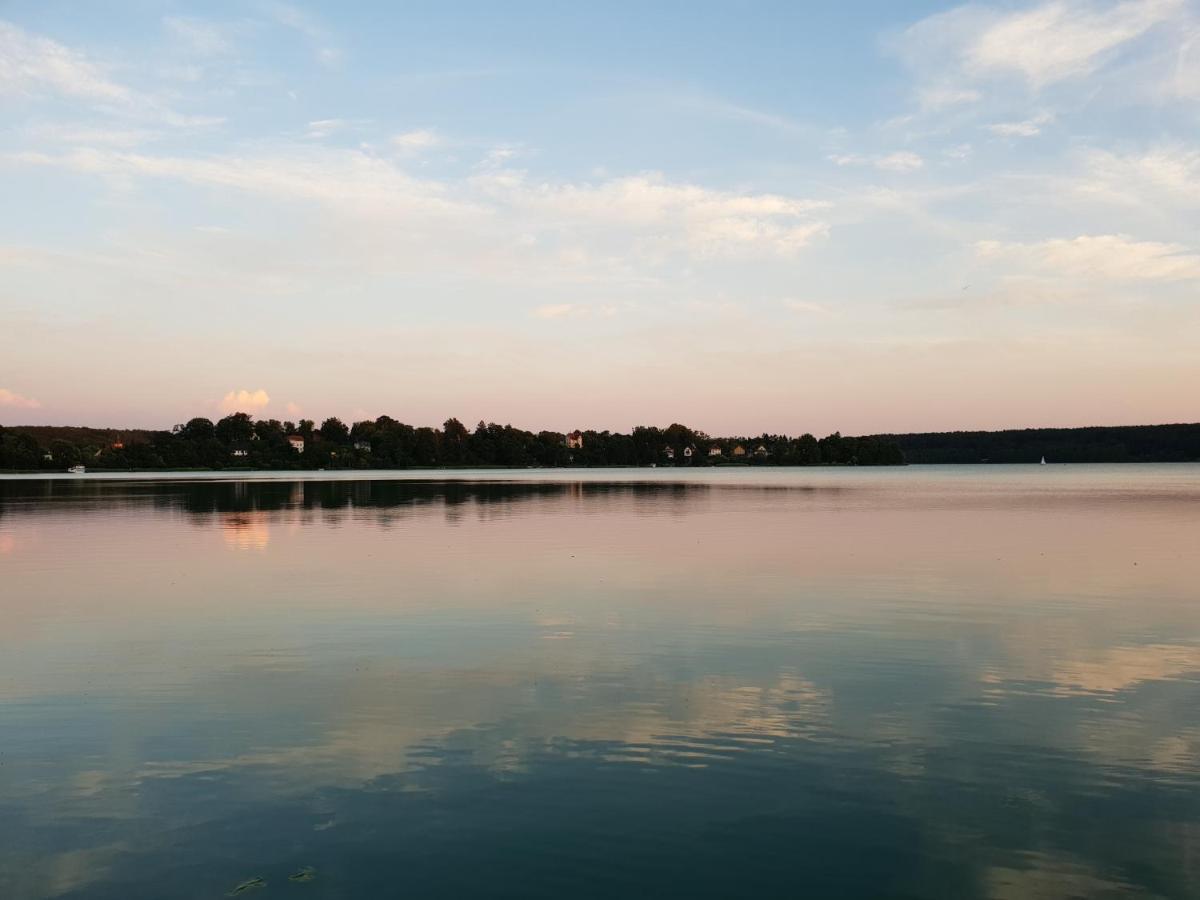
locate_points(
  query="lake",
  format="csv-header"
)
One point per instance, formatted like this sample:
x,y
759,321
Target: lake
x,y
922,682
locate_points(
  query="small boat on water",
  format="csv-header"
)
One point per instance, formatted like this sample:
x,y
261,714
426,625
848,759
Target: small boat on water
x,y
76,470
1043,460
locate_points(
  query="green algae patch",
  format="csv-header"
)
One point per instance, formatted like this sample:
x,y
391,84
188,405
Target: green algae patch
x,y
250,884
304,873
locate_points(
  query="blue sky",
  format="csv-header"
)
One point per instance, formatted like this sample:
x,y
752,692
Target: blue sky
x,y
744,216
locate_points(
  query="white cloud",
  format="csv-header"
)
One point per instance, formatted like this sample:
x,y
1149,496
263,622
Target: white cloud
x,y
1060,40
416,141
972,52
1112,257
703,221
901,161
1163,178
498,218
322,128
292,408
32,65
12,400
244,401
37,67
1026,128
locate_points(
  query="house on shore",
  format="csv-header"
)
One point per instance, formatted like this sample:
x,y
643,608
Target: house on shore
x,y
739,451
364,446
714,450
761,452
688,451
575,440
297,442
669,452
239,452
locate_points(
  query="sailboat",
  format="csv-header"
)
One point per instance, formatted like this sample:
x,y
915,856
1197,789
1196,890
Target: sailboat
x,y
1043,460
76,470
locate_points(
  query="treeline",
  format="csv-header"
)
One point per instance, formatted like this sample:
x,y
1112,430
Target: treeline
x,y
1116,444
238,441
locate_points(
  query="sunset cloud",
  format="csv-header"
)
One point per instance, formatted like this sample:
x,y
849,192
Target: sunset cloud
x,y
244,401
12,400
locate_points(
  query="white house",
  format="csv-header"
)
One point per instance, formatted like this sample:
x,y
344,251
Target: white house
x,y
240,452
297,442
714,450
688,451
670,452
364,446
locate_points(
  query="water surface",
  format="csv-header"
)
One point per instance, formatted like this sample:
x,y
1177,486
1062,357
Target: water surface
x,y
925,683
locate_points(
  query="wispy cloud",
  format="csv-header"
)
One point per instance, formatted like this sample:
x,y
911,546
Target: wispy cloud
x,y
323,128
1060,40
1102,257
324,46
1163,178
13,400
34,66
1025,128
939,97
901,161
200,37
416,141
807,306
1042,45
31,64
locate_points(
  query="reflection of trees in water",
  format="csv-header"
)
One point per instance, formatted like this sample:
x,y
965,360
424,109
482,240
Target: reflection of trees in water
x,y
210,497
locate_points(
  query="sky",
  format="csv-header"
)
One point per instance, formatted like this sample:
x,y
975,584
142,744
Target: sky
x,y
746,217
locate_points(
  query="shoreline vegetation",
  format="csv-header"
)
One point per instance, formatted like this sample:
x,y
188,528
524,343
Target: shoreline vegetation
x,y
240,442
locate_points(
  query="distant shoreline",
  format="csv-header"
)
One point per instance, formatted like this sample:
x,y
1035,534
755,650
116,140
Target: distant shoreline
x,y
238,443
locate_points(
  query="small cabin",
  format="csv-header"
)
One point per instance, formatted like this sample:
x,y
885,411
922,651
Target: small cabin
x,y
575,440
714,451
364,446
297,442
739,450
669,452
239,452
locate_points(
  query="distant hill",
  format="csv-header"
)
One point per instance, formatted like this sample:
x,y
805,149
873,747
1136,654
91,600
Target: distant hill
x,y
1122,443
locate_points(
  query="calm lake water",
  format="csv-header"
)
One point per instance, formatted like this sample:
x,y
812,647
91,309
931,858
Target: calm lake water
x,y
922,683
